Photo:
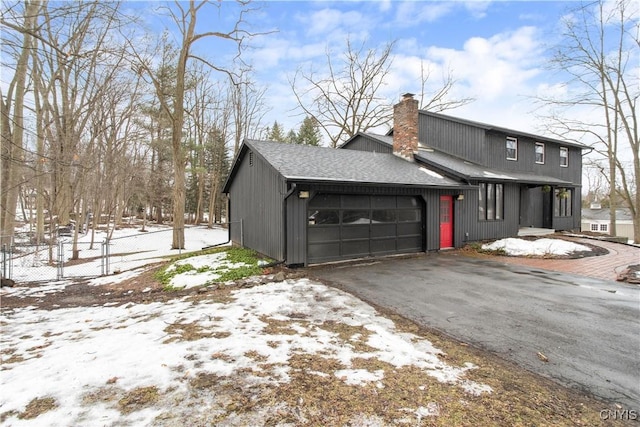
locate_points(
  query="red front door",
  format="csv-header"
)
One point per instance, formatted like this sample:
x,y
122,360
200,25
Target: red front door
x,y
446,222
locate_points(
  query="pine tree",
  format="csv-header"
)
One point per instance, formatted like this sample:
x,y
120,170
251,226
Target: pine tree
x,y
276,133
292,137
309,133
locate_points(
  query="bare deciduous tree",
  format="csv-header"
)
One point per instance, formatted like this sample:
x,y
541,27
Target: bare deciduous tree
x,y
348,99
12,119
185,18
599,51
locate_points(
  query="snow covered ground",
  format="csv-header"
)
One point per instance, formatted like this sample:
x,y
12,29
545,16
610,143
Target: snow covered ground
x,y
540,247
158,363
129,249
87,361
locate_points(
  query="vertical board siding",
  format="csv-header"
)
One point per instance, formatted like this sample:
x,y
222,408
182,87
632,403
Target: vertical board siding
x,y
366,143
255,197
453,138
469,228
496,158
296,230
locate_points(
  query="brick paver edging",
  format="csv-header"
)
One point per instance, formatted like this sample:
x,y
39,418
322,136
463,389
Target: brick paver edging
x,y
606,267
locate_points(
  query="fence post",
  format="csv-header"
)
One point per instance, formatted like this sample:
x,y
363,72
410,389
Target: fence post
x,y
107,244
102,258
60,259
105,258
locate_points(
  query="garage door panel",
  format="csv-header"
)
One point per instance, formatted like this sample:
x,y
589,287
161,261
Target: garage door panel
x,y
358,226
410,244
383,246
410,229
355,232
324,234
355,248
383,230
324,251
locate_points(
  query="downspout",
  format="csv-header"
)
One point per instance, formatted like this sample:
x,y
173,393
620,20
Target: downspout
x,y
293,188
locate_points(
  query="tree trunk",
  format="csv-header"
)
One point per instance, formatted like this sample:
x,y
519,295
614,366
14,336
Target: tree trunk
x,y
11,164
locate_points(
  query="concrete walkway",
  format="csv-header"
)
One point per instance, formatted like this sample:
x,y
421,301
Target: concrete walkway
x,y
605,267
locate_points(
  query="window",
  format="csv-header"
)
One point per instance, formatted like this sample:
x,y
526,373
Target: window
x,y
490,202
539,153
564,157
601,228
562,202
512,148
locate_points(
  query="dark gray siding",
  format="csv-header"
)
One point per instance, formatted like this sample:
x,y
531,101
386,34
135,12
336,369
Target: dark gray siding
x,y
495,158
256,207
365,143
296,230
451,137
468,228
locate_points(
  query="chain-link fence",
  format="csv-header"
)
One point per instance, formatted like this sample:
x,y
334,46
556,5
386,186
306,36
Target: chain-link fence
x,y
62,259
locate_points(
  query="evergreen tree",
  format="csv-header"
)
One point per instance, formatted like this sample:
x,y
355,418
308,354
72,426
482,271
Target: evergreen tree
x,y
292,137
276,133
309,133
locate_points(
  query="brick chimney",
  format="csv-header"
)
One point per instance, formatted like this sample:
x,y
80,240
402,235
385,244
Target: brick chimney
x,y
405,127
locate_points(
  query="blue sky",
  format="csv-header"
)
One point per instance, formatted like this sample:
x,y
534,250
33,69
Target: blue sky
x,y
495,50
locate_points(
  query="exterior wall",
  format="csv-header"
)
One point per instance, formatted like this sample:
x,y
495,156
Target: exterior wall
x,y
623,228
454,138
487,148
495,157
365,143
256,207
469,228
296,229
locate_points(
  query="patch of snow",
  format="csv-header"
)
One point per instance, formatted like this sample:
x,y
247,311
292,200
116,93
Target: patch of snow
x,y
70,353
496,175
360,376
520,247
431,173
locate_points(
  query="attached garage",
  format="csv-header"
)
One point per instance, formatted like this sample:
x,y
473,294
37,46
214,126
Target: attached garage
x,y
307,205
345,226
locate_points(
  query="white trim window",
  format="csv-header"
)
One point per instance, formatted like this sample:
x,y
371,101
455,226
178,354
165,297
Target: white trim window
x,y
564,157
539,153
604,228
594,227
512,148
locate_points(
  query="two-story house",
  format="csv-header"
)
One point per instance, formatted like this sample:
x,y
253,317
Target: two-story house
x,y
433,182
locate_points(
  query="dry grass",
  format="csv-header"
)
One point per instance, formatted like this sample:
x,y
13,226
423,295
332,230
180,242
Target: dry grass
x,y
138,398
37,407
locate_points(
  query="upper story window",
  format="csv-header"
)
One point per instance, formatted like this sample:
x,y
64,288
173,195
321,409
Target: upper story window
x,y
564,157
512,148
540,153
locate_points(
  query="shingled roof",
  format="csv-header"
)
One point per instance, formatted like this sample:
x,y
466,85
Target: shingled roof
x,y
303,163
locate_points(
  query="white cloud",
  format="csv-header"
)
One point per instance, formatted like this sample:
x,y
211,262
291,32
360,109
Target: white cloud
x,y
502,65
413,13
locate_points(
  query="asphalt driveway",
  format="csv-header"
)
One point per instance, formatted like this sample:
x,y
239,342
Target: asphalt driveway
x,y
588,329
